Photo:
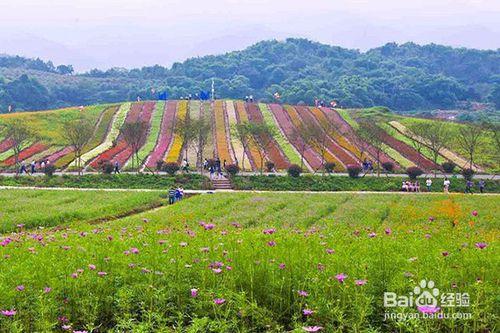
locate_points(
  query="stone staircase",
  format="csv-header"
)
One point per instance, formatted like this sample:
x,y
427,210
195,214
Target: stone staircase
x,y
222,184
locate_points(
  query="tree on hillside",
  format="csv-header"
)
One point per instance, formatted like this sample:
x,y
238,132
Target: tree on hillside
x,y
201,127
416,139
76,133
133,134
436,137
263,135
242,133
20,134
469,138
306,134
185,129
370,132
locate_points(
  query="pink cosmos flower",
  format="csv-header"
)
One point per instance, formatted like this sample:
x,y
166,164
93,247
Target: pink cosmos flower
x,y
445,253
282,266
217,270
74,275
8,313
303,293
360,282
481,245
229,268
66,327
431,218
134,250
92,267
183,244
307,312
47,290
162,241
312,328
427,236
194,292
219,301
209,226
20,288
474,213
321,267
271,243
205,249
429,309
126,252
330,251
341,277
20,226
388,231
102,274
372,235
269,231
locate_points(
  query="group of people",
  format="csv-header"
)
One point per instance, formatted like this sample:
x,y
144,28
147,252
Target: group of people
x,y
175,194
408,186
34,166
215,169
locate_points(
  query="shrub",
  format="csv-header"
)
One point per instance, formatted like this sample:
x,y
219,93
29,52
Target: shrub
x,y
388,166
232,169
294,170
448,167
106,166
468,173
329,166
269,166
49,170
413,172
159,165
171,168
353,170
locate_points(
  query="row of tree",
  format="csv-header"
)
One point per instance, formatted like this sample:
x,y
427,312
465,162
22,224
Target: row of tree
x,y
195,134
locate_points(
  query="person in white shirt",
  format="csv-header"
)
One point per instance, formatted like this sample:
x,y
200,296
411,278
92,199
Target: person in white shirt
x,y
428,183
446,185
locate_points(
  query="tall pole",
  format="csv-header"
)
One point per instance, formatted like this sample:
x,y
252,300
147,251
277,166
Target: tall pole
x,y
213,90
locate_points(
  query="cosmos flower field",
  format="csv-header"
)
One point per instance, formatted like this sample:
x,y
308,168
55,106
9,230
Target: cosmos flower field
x,y
250,262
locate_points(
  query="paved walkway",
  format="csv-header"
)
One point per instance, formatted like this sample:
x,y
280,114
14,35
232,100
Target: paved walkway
x,y
223,191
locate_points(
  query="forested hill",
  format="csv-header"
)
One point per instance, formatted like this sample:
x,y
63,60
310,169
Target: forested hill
x,y
402,77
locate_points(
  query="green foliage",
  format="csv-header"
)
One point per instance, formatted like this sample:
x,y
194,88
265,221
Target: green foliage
x,y
294,170
401,77
154,259
414,172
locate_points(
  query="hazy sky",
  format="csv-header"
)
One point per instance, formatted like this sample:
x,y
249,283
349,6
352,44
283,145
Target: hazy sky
x,y
134,33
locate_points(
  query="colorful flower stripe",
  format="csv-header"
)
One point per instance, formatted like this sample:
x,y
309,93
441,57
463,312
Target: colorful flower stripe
x,y
59,154
132,116
274,153
239,150
404,150
116,124
296,118
288,149
8,153
221,138
206,111
154,132
103,124
448,154
251,148
194,114
346,125
338,137
344,156
26,153
6,145
312,160
43,155
174,153
165,137
400,159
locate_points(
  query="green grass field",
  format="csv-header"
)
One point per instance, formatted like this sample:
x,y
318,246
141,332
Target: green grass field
x,y
241,262
34,208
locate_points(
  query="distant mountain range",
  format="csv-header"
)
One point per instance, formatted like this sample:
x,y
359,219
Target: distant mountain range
x,y
402,77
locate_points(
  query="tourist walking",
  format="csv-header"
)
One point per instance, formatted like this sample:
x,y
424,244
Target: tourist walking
x,y
171,196
482,185
428,183
33,167
23,168
446,185
468,186
117,167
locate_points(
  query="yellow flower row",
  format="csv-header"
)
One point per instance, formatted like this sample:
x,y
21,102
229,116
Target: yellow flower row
x,y
251,144
220,133
174,154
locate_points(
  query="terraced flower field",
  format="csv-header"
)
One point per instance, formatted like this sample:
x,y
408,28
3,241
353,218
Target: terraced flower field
x,y
249,262
337,139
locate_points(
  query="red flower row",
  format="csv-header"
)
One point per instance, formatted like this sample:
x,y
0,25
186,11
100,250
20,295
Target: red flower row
x,y
26,153
166,134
